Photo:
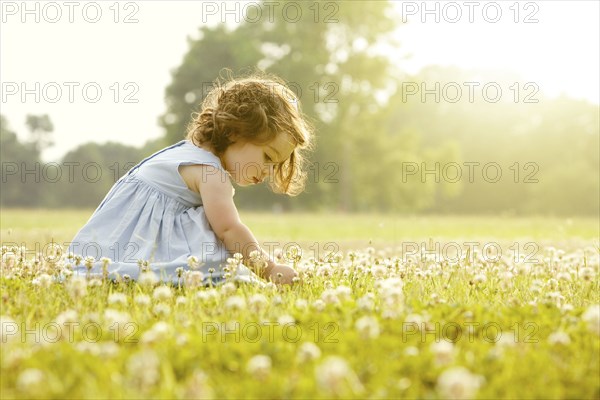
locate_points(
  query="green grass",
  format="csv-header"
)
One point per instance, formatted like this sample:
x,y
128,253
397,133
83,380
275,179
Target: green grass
x,y
398,326
21,225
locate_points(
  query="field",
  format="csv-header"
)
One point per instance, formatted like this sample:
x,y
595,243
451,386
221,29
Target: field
x,y
389,307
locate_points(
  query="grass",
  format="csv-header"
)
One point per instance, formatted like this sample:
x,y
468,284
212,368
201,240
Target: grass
x,y
368,323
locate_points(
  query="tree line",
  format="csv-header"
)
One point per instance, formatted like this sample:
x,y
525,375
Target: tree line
x,y
441,141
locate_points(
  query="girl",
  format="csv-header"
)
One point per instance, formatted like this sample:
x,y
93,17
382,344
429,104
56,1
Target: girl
x,y
175,208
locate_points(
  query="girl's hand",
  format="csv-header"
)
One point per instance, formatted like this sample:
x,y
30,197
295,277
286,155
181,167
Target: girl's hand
x,y
281,274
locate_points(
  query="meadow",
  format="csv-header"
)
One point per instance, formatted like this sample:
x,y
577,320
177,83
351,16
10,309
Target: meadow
x,y
389,307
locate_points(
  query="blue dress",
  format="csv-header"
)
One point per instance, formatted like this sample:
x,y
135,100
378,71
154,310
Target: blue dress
x,y
150,214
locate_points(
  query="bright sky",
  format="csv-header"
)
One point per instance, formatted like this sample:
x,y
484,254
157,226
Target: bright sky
x,y
132,61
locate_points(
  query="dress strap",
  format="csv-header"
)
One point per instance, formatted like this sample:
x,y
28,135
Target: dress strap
x,y
153,155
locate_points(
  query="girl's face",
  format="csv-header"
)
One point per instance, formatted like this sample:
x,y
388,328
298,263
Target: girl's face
x,y
249,163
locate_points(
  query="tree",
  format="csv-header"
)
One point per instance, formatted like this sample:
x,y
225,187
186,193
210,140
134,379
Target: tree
x,y
40,129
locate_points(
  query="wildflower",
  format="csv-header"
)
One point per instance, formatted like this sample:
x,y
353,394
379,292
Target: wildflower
x,y
333,372
162,293
67,317
479,278
30,379
308,351
77,287
366,303
180,301
344,293
367,327
197,387
586,273
391,290
259,366
158,332
559,337
142,300
443,352
286,320
143,369
329,296
208,294
147,279
563,276
162,309
192,262
94,282
319,305
301,304
89,262
235,303
411,351
591,317
193,279
458,383
257,302
117,299
228,288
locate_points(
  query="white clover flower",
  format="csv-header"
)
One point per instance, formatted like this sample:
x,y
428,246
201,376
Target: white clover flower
x,y
458,383
258,302
343,293
117,298
181,301
479,278
208,294
147,279
162,309
228,288
142,300
591,317
319,305
308,351
94,282
443,352
43,280
162,293
259,366
67,317
286,319
587,273
411,351
301,304
563,276
366,302
379,271
193,279
390,290
158,332
192,262
334,372
329,296
77,287
235,303
30,379
367,327
143,368
560,338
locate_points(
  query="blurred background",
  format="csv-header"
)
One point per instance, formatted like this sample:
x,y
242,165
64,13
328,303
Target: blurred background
x,y
419,107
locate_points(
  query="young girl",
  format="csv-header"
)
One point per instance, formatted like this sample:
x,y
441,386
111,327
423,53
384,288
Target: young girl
x,y
175,208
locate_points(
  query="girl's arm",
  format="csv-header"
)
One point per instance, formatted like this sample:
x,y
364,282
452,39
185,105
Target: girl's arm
x,y
217,198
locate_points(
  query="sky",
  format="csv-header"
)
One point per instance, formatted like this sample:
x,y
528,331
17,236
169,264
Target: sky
x,y
100,69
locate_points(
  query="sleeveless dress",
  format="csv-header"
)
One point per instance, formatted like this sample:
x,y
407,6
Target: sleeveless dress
x,y
150,214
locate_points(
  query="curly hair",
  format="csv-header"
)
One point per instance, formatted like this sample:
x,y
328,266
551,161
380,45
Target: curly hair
x,y
256,109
